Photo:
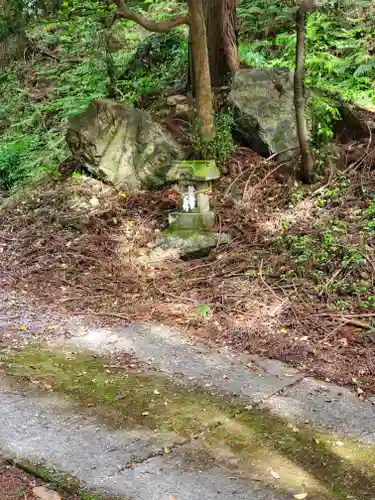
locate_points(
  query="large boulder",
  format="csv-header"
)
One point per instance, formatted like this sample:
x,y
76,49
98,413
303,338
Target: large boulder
x,y
262,101
122,145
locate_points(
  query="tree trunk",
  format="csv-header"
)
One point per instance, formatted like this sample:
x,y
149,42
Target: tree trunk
x,y
201,68
220,18
200,62
221,39
307,162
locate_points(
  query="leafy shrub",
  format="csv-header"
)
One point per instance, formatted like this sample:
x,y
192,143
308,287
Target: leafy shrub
x,y
222,145
21,161
339,57
159,62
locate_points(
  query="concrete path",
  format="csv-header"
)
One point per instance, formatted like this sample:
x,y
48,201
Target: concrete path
x,y
40,431
267,383
132,463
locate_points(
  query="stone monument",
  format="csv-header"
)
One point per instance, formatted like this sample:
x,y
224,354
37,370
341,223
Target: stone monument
x,y
190,228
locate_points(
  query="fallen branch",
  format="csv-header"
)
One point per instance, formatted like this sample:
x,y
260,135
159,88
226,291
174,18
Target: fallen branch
x,y
258,184
348,319
168,294
353,322
364,315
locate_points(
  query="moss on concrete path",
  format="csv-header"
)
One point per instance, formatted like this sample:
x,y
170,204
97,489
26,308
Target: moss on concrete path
x,y
250,443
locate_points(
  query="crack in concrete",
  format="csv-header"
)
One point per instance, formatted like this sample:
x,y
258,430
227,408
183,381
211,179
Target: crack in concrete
x,y
278,392
136,461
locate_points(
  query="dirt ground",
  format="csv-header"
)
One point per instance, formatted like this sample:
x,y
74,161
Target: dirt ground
x,y
81,247
15,484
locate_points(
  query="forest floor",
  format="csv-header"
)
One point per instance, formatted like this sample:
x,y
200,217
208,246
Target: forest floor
x,y
295,283
16,484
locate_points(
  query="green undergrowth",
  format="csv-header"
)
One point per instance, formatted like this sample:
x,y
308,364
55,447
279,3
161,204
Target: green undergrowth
x,y
340,51
74,59
333,252
260,445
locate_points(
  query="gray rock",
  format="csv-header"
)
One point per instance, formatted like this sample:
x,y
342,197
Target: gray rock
x,y
191,242
122,145
262,101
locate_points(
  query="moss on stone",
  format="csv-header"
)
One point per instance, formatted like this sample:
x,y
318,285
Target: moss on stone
x,y
194,170
254,442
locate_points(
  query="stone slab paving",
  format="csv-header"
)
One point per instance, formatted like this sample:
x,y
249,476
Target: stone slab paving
x,y
325,405
174,355
39,430
45,429
271,384
164,478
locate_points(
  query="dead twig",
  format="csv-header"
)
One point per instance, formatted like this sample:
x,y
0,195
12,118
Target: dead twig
x,y
264,283
333,315
168,294
114,315
359,324
245,195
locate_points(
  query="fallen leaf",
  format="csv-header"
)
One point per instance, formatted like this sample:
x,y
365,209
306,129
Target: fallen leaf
x,y
156,392
276,475
43,493
300,496
293,427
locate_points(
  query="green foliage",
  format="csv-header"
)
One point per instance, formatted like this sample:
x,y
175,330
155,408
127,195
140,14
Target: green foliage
x,y
323,115
369,214
332,193
340,54
34,118
330,258
158,63
21,160
11,18
38,98
222,145
204,311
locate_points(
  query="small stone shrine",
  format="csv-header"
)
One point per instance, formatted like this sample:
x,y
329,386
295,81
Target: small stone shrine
x,y
191,228
194,180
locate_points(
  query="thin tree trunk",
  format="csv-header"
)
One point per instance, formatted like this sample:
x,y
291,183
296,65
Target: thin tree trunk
x,y
198,36
229,34
201,68
307,163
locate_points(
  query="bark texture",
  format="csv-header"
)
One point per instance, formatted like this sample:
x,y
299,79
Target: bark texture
x,y
220,19
124,12
201,67
307,163
220,16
